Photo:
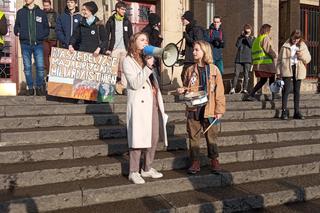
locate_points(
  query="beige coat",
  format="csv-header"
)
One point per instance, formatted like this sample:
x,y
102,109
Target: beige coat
x,y
284,66
267,47
139,105
215,89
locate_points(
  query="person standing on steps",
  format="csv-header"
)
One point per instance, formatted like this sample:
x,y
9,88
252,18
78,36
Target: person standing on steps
x,y
146,119
263,60
243,58
67,22
204,76
119,31
216,38
51,41
192,33
292,61
32,28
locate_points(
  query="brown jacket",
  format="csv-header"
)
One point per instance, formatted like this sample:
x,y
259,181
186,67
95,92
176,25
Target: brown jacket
x,y
267,47
284,67
215,89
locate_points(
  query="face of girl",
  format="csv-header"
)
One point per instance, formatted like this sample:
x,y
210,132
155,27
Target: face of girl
x,y
141,41
85,12
296,41
197,52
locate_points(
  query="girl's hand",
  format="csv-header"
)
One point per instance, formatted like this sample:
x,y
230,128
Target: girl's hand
x,y
181,90
218,116
96,53
71,49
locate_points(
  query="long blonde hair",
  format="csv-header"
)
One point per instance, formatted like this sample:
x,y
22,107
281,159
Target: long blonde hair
x,y
207,51
133,50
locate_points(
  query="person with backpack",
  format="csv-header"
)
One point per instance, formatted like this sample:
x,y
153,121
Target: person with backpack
x,y
192,33
216,39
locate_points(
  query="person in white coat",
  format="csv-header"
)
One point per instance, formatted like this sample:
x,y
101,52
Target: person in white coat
x,y
146,119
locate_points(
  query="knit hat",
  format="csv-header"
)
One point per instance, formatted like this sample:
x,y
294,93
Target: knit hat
x,y
92,6
153,19
188,15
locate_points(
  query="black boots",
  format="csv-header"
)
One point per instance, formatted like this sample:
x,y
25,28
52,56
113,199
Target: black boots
x,y
284,114
298,115
30,92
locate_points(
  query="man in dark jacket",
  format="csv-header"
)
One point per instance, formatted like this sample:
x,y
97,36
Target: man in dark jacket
x,y
192,33
216,39
155,38
3,31
67,22
119,31
243,58
32,28
51,41
153,30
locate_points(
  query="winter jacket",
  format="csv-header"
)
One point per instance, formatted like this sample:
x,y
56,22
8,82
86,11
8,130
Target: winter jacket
x,y
66,24
216,100
89,38
217,39
111,29
264,70
22,28
284,67
244,45
193,33
52,18
154,35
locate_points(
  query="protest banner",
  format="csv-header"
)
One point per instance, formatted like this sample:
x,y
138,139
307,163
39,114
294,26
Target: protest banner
x,y
80,75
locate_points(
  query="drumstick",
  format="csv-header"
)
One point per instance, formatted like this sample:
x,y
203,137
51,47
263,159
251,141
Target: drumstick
x,y
210,125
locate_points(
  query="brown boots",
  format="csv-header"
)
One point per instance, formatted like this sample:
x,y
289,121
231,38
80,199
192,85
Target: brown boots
x,y
195,166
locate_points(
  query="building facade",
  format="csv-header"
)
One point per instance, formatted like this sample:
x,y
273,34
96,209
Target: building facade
x,y
283,15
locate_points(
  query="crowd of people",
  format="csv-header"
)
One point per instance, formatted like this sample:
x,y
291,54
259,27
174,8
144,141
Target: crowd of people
x,y
39,30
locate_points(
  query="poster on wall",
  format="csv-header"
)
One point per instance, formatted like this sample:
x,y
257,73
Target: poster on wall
x,y
80,75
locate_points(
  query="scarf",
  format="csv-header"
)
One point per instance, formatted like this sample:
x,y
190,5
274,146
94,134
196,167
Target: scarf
x,y
118,17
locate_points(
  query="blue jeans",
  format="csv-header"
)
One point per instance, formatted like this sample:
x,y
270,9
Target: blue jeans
x,y
37,51
219,64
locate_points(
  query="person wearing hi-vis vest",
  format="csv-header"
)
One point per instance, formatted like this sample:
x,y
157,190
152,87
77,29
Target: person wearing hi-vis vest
x,y
263,60
3,31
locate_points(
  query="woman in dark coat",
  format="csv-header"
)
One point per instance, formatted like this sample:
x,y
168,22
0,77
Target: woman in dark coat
x,y
90,35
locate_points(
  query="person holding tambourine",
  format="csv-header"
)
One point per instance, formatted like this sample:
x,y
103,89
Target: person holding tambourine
x,y
203,78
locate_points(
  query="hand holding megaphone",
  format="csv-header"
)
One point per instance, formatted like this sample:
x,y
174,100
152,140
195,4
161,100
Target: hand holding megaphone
x,y
169,54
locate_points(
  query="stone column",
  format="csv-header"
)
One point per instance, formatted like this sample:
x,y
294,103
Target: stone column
x,y
293,15
171,27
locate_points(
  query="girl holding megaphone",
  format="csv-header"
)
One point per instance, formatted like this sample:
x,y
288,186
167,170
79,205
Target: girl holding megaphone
x,y
146,119
203,77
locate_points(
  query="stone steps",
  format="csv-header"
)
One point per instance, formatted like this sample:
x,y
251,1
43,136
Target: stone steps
x,y
50,100
68,134
63,170
60,156
66,120
93,148
285,195
67,109
117,188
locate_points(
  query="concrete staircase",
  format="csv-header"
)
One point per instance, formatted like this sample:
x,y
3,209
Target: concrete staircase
x,y
64,157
